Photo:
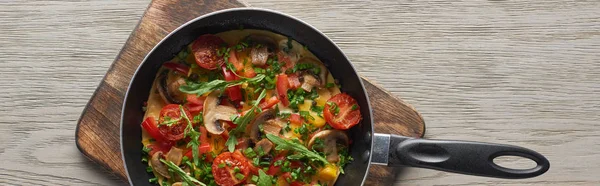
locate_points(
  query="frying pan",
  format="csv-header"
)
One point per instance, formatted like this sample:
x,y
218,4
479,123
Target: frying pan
x,y
473,158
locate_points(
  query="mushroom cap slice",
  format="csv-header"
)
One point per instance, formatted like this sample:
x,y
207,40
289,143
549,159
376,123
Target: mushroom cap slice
x,y
330,140
321,76
253,129
158,166
174,155
168,87
214,113
265,144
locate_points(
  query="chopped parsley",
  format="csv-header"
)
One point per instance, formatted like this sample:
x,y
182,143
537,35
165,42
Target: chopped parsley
x,y
333,108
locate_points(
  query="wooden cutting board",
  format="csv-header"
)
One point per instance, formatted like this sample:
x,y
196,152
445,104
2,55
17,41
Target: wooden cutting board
x,y
97,134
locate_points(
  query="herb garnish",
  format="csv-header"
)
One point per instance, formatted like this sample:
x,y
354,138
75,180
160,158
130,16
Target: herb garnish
x,y
183,175
201,88
242,121
294,145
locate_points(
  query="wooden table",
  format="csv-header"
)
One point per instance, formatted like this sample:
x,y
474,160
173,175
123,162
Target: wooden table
x,y
495,71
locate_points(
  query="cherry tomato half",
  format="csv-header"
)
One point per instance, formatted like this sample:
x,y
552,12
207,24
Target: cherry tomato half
x,y
224,166
205,51
174,131
342,112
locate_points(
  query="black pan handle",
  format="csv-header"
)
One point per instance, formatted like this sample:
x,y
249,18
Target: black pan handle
x,y
465,157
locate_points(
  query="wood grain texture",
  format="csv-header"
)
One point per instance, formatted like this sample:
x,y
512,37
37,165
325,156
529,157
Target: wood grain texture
x,y
515,72
97,134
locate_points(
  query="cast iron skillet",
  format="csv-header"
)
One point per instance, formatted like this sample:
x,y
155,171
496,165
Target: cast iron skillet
x,y
463,157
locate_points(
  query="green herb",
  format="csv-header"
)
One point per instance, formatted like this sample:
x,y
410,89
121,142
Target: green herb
x,y
329,85
221,165
239,176
249,153
318,144
198,118
295,156
255,178
295,146
144,159
284,115
345,158
201,88
306,115
242,121
148,169
354,107
194,136
168,121
153,180
317,109
146,150
303,130
236,169
333,108
182,174
313,94
264,179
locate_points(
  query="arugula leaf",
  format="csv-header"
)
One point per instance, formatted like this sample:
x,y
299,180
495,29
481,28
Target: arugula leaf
x,y
194,136
182,174
242,121
263,179
291,145
204,87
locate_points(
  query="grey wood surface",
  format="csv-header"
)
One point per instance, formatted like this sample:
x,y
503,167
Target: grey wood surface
x,y
524,73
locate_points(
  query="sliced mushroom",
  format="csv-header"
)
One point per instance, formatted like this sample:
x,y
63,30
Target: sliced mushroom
x,y
265,144
321,76
259,56
177,184
158,166
330,140
273,126
292,49
309,81
261,118
262,47
168,87
174,155
214,113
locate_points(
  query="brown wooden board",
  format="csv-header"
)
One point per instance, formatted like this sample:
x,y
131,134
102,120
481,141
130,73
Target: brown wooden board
x,y
97,134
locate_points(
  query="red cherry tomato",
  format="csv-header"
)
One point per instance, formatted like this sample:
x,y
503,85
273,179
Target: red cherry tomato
x,y
268,103
282,88
235,92
205,49
224,165
171,112
177,67
342,112
150,126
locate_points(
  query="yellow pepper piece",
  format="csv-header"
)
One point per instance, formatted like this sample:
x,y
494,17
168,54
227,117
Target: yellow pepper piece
x,y
328,173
